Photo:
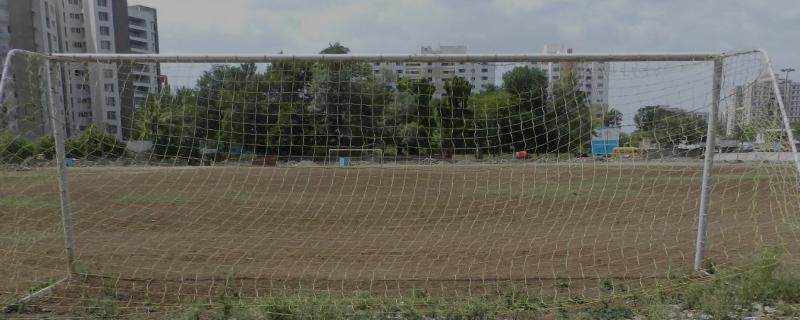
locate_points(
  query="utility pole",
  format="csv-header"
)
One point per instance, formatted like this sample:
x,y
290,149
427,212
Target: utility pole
x,y
786,85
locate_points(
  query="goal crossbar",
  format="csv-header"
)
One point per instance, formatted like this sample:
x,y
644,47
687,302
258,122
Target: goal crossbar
x,y
488,58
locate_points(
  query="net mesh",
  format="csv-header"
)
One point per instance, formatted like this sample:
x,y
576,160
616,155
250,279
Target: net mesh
x,y
570,180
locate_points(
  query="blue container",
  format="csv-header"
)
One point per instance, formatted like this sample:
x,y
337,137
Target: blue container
x,y
344,162
69,162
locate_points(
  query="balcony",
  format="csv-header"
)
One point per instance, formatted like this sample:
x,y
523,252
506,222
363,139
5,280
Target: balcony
x,y
137,23
139,46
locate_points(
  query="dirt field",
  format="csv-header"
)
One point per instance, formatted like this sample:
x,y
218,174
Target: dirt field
x,y
171,234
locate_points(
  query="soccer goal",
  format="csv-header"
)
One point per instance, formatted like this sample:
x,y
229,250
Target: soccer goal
x,y
171,181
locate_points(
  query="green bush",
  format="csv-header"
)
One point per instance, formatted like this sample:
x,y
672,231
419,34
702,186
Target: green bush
x,y
46,146
93,143
14,149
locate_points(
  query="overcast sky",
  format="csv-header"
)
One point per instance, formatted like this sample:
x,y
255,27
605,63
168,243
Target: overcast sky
x,y
520,26
502,26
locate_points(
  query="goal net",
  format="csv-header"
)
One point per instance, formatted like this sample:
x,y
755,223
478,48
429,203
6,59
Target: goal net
x,y
159,183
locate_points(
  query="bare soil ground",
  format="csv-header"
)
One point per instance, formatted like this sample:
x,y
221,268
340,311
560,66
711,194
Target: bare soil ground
x,y
175,235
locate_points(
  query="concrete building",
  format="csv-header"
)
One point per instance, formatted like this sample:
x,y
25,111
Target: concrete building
x,y
480,75
29,25
757,101
143,30
101,95
593,77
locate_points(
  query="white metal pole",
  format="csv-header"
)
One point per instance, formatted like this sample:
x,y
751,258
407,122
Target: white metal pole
x,y
58,125
6,74
708,166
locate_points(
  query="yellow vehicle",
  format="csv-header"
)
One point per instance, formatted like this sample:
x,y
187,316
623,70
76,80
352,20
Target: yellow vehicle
x,y
626,153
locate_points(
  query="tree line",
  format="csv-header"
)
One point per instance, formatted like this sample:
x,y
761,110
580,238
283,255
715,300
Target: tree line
x,y
308,108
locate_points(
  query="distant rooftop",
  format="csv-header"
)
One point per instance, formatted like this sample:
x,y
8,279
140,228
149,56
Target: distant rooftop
x,y
444,49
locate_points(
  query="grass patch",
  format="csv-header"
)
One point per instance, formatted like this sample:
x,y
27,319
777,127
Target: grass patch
x,y
726,294
28,203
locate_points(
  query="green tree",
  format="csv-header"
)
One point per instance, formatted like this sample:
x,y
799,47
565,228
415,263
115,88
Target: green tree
x,y
499,122
171,122
613,118
669,126
46,146
567,125
335,48
349,101
528,85
455,117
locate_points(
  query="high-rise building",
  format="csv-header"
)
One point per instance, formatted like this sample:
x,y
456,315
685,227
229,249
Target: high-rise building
x,y
101,95
757,100
33,26
592,77
480,75
143,30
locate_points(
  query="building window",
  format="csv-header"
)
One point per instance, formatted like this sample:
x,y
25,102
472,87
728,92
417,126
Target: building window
x,y
111,115
108,73
105,31
484,78
75,2
78,45
87,114
111,129
430,71
105,45
399,71
76,16
108,87
111,101
484,70
102,3
103,16
462,70
79,73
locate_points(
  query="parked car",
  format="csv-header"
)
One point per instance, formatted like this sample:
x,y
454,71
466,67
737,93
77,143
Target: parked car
x,y
746,147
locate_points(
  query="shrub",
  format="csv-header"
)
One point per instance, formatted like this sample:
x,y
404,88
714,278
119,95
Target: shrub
x,y
14,149
46,146
93,143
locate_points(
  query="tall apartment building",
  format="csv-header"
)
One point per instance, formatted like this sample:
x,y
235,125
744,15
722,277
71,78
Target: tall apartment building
x,y
593,77
480,75
102,95
143,31
29,25
757,100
